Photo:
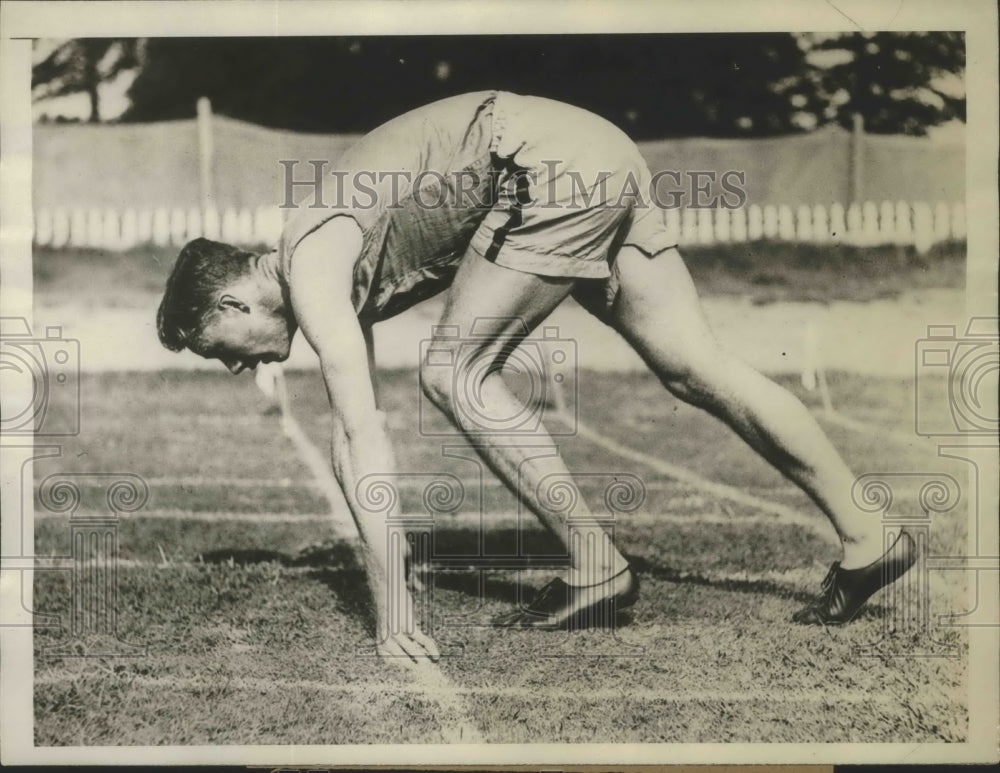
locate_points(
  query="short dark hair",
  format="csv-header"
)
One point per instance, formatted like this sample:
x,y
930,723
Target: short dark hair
x,y
202,270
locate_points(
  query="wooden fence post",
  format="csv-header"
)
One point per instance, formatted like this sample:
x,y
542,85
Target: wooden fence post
x,y
738,228
206,154
887,222
923,226
856,166
821,224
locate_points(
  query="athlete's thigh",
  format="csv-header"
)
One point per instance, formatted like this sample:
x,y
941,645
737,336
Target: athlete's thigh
x,y
657,310
496,305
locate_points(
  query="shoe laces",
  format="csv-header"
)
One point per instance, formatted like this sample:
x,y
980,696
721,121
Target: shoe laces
x,y
828,580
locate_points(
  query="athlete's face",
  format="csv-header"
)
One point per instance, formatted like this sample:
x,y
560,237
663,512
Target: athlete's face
x,y
246,330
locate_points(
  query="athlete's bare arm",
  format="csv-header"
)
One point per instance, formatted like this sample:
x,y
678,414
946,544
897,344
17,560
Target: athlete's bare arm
x,y
320,285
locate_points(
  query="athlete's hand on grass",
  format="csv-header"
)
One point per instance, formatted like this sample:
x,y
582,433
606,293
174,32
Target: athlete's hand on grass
x,y
408,648
398,636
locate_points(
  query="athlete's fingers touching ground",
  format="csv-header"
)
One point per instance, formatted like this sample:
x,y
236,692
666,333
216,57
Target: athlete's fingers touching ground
x,y
408,649
391,650
429,645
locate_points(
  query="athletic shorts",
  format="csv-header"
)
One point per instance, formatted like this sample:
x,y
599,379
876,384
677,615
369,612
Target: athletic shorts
x,y
572,190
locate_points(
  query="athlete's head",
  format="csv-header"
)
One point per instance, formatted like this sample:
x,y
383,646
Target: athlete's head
x,y
225,303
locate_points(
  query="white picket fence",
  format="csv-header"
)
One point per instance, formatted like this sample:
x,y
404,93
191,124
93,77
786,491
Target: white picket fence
x,y
113,230
867,224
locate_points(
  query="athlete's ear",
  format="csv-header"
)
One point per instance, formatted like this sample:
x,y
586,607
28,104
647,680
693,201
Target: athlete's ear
x,y
230,302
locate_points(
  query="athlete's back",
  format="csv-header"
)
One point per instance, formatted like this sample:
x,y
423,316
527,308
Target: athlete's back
x,y
418,186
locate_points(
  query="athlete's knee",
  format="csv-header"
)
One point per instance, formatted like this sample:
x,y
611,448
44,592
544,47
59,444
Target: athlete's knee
x,y
437,378
700,377
687,386
452,382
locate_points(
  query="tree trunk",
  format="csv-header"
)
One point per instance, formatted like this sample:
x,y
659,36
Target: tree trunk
x,y
95,110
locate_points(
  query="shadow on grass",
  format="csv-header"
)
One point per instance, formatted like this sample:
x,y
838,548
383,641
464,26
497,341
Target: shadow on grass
x,y
332,555
541,550
336,565
333,563
476,585
644,567
471,583
350,587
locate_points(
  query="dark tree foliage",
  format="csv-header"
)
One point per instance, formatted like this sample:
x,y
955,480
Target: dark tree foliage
x,y
656,85
651,85
81,65
890,78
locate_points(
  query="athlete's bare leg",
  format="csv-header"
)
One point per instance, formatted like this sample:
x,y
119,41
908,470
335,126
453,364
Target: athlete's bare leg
x,y
505,304
657,311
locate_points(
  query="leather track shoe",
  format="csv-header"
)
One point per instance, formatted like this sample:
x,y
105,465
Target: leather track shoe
x,y
561,606
845,591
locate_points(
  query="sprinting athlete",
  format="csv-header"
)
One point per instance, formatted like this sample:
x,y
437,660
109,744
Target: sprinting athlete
x,y
509,203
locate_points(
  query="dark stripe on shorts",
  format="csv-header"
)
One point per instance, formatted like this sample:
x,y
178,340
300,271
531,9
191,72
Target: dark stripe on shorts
x,y
650,255
521,199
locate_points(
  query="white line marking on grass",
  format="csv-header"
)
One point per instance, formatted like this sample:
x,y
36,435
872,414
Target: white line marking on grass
x,y
456,723
293,483
720,490
488,521
195,515
194,481
408,484
318,466
223,482
792,578
179,421
67,562
671,694
404,484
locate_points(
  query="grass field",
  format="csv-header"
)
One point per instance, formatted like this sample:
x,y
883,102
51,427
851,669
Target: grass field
x,y
258,627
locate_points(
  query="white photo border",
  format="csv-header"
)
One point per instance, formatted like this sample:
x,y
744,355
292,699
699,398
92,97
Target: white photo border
x,y
22,21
